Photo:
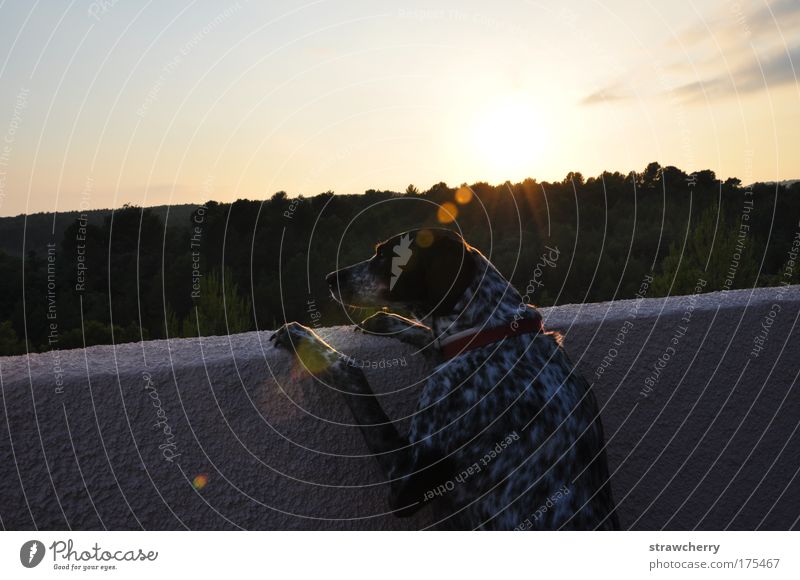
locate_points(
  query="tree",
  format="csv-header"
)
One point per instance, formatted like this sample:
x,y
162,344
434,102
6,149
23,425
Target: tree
x,y
220,308
715,252
9,343
651,175
617,229
573,177
674,180
94,332
732,183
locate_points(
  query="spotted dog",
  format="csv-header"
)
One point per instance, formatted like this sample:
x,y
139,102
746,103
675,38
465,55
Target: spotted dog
x,y
506,434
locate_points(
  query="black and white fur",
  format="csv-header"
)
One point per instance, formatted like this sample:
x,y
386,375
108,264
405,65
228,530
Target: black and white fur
x,y
516,408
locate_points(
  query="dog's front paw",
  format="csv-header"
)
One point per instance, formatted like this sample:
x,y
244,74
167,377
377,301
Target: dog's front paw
x,y
312,352
293,334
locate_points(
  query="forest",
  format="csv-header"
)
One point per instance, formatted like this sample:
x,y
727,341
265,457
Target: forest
x,y
220,268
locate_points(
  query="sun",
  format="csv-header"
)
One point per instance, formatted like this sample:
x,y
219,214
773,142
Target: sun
x,y
509,136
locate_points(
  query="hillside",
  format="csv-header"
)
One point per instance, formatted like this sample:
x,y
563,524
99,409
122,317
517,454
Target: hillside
x,y
41,228
222,268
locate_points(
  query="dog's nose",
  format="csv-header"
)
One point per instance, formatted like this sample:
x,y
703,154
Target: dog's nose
x,y
331,279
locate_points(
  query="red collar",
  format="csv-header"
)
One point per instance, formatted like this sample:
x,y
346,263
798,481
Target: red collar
x,y
467,340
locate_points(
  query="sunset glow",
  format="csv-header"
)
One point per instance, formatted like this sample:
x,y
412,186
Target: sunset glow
x,y
184,103
509,135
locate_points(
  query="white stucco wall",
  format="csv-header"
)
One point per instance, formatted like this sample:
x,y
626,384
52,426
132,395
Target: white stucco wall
x,y
713,444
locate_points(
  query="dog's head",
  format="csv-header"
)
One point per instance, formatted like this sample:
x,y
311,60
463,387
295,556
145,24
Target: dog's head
x,y
424,270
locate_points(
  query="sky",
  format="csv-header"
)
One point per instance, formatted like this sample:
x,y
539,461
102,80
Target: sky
x,y
108,102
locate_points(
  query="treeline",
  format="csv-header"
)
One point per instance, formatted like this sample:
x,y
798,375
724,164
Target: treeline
x,y
254,264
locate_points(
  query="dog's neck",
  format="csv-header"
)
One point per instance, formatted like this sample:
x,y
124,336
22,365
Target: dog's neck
x,y
489,301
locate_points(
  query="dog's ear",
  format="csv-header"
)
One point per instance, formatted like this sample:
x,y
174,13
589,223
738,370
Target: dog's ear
x,y
449,269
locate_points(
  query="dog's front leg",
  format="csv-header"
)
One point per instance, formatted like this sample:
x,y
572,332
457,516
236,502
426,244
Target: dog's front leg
x,y
396,326
336,370
407,467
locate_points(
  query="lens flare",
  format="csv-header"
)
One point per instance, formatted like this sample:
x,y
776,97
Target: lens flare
x,y
311,359
424,238
200,481
463,195
447,213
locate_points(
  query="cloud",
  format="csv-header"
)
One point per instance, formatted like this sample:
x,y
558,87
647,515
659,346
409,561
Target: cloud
x,y
779,69
781,14
754,45
729,26
605,95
